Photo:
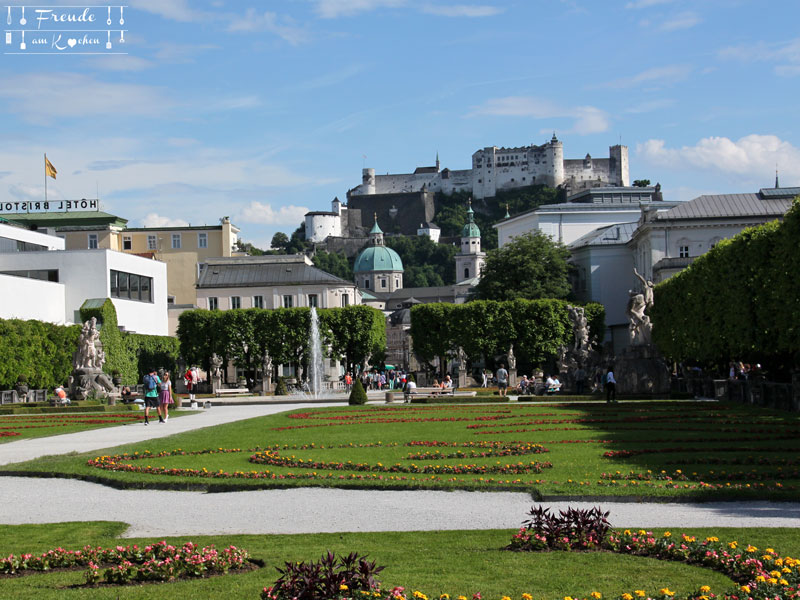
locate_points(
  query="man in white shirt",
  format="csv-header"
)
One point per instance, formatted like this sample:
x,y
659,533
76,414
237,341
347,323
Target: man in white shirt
x,y
611,386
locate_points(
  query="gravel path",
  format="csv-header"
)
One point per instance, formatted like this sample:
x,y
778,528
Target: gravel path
x,y
307,510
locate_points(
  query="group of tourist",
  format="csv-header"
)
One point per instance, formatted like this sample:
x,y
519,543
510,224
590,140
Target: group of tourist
x,y
388,379
743,371
157,394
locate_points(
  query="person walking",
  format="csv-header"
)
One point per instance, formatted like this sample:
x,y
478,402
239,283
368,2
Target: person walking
x,y
502,380
151,390
165,398
611,386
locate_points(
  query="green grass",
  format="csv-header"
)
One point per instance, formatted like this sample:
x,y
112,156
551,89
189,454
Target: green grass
x,y
44,425
455,562
576,435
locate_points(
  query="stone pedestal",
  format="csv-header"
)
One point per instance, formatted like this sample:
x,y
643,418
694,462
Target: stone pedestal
x,y
88,380
641,370
216,383
512,378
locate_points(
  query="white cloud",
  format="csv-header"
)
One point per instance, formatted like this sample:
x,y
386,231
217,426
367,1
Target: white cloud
x,y
284,27
657,76
462,10
264,214
156,220
751,158
787,53
636,4
118,62
684,20
44,97
332,9
587,119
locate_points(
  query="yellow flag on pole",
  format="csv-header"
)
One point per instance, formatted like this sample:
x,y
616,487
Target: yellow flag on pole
x,y
49,169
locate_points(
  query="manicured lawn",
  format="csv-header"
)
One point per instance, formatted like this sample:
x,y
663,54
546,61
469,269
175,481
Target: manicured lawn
x,y
19,427
692,449
454,562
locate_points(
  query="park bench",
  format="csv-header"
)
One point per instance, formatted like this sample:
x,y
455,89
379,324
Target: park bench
x,y
427,392
232,392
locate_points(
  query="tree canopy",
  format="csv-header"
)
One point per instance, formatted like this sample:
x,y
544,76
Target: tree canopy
x,y
335,263
426,263
279,241
530,266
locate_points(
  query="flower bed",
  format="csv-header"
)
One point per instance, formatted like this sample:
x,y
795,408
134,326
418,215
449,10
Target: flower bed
x,y
128,564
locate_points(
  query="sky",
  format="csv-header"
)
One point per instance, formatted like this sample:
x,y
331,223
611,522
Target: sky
x,y
263,110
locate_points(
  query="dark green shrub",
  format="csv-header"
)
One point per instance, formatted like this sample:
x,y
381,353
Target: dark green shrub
x,y
280,387
357,394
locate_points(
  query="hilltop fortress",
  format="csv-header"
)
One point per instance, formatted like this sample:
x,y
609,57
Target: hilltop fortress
x,y
404,203
494,169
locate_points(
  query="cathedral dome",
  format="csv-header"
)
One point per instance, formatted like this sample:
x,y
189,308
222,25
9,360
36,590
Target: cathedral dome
x,y
378,258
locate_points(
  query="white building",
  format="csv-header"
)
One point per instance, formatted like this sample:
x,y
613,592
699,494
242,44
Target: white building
x,y
43,281
667,242
661,243
270,282
495,169
582,213
321,224
431,230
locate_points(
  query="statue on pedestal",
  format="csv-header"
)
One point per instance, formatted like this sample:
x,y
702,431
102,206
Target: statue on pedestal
x,y
266,373
512,360
640,329
216,372
87,362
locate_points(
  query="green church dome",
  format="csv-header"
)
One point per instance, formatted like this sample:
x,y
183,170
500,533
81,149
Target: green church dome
x,y
378,258
470,229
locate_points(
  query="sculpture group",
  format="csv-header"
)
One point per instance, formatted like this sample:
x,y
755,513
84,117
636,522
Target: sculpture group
x,y
88,379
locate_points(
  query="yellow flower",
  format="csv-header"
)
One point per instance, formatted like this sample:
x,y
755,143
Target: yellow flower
x,y
527,597
745,589
667,534
783,582
461,598
505,598
751,548
596,595
640,593
704,589
567,597
732,545
343,588
627,596
667,592
444,597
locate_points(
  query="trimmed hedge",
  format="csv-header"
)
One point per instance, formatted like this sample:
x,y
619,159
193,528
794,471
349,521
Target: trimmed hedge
x,y
740,300
488,328
39,352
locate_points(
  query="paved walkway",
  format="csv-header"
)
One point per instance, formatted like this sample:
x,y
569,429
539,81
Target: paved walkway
x,y
307,510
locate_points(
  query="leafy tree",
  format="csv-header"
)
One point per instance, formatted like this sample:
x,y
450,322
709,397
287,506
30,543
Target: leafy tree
x,y
433,330
335,263
531,266
297,243
356,332
238,338
248,248
279,241
426,263
641,182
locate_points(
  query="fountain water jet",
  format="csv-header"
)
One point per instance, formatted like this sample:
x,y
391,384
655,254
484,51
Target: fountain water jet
x,y
315,364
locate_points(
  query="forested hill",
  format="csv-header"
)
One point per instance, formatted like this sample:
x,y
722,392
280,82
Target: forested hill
x,y
451,210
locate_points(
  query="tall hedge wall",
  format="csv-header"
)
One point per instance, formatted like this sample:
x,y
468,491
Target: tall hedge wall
x,y
244,335
741,300
488,328
131,354
39,352
42,352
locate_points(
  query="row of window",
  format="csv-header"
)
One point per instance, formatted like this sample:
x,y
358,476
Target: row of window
x,y
12,245
131,286
152,241
258,301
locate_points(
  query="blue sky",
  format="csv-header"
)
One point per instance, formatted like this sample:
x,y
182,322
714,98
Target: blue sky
x,y
264,110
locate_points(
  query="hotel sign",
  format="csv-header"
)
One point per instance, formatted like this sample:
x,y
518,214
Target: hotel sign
x,y
49,206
